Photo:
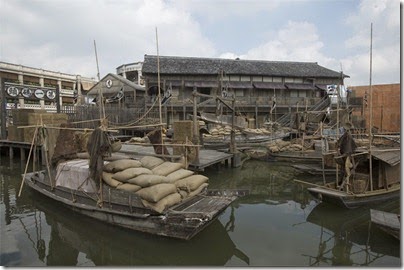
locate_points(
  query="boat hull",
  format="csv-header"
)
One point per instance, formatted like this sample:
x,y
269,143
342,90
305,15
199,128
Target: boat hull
x,y
346,200
387,222
125,209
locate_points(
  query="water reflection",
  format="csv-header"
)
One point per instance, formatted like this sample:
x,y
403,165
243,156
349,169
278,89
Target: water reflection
x,y
347,235
107,245
278,224
268,183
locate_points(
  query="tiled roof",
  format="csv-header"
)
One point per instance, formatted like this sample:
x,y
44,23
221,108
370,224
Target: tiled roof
x,y
212,66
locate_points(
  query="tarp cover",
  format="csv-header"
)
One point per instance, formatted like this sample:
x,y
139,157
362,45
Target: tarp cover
x,y
74,174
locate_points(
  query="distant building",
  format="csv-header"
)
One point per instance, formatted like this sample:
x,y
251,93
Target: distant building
x,y
386,114
117,92
35,88
131,72
256,85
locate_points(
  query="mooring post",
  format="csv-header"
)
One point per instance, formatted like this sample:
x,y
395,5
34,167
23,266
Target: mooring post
x,y
11,152
22,153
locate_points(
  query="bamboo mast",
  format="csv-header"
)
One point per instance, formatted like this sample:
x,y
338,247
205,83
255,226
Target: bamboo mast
x,y
102,111
370,110
158,87
336,165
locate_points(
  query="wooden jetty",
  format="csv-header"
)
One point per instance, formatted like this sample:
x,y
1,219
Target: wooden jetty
x,y
21,147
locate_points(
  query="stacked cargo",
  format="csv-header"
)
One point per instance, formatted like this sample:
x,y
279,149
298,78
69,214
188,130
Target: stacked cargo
x,y
160,184
25,120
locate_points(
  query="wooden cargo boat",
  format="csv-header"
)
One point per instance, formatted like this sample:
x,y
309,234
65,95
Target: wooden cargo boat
x,y
358,189
125,209
76,238
388,222
366,176
330,194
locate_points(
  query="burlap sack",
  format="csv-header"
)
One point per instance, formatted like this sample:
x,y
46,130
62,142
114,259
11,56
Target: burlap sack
x,y
107,177
164,203
129,187
178,174
120,165
183,193
146,180
191,183
166,168
151,162
156,192
127,174
198,190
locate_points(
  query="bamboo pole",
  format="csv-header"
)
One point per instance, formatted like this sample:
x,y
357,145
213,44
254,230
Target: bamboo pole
x,y
370,113
45,150
26,165
336,165
158,86
322,152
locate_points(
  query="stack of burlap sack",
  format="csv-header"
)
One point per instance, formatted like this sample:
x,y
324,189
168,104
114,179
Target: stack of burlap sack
x,y
160,184
288,146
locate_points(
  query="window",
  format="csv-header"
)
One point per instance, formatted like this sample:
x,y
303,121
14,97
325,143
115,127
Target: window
x,y
239,92
267,79
294,93
257,78
277,79
289,80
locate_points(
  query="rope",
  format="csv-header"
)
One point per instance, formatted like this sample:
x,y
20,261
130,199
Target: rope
x,y
115,125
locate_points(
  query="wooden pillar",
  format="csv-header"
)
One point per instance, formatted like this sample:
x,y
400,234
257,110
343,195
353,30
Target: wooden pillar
x,y
22,153
11,152
3,110
58,98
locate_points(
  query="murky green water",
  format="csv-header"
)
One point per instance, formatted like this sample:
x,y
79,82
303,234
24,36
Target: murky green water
x,y
278,224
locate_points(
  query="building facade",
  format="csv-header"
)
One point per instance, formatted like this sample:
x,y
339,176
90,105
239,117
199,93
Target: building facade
x,y
131,72
385,107
118,92
35,88
256,86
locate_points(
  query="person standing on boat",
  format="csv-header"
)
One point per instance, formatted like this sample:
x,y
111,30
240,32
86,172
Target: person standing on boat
x,y
346,146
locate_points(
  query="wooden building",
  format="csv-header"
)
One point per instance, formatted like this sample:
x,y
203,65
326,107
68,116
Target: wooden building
x,y
117,92
35,88
386,106
255,85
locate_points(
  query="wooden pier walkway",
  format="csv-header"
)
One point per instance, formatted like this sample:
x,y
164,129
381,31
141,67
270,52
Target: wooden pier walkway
x,y
23,148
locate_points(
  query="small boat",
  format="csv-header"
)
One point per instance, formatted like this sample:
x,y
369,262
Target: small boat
x,y
297,157
388,222
355,186
124,208
330,194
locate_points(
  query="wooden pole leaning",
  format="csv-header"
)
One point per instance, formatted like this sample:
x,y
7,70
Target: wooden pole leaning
x,y
26,165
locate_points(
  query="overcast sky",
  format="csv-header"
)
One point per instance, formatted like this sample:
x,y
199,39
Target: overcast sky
x,y
59,34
